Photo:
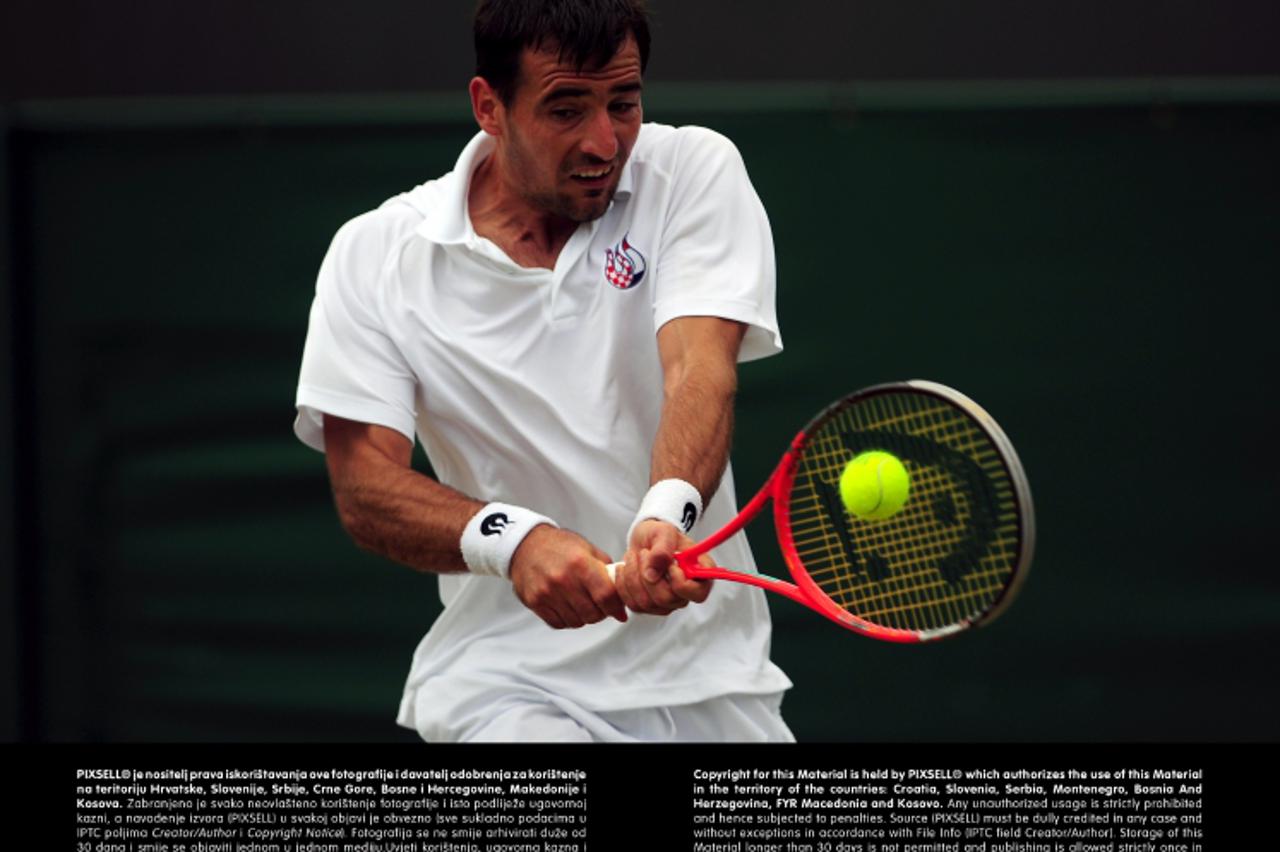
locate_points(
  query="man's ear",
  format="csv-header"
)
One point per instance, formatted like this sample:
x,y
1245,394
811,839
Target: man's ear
x,y
486,106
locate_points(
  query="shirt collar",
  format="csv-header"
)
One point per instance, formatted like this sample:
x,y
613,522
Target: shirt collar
x,y
447,222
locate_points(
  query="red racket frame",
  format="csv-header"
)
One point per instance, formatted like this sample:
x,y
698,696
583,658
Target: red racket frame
x,y
804,590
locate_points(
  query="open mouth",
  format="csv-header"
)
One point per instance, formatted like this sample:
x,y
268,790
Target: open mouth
x,y
589,176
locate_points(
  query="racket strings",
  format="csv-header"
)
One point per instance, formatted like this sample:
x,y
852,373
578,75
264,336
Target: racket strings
x,y
948,555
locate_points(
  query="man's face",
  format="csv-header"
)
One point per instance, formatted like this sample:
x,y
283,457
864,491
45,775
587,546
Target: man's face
x,y
568,131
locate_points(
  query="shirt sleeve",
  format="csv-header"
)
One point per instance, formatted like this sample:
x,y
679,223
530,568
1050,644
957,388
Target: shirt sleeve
x,y
717,248
351,366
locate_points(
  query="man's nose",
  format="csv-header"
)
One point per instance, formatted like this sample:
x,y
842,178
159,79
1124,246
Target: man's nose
x,y
601,140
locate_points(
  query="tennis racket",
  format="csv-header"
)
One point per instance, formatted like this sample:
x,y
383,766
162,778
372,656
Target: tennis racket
x,y
951,559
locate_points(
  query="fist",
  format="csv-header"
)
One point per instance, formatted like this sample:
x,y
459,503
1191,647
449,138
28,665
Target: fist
x,y
651,580
562,577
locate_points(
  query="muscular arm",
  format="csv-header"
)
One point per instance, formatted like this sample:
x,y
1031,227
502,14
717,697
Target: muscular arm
x,y
389,508
700,377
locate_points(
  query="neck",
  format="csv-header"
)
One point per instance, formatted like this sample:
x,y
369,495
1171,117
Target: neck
x,y
530,236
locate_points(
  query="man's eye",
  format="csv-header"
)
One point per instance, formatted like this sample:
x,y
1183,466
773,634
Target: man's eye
x,y
625,107
564,114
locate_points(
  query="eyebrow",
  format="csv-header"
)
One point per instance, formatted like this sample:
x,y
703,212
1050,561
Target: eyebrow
x,y
578,92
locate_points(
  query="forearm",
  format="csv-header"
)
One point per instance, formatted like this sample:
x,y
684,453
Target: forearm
x,y
407,517
700,379
696,428
398,513
389,508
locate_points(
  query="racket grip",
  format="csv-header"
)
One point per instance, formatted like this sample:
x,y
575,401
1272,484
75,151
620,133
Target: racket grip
x,y
612,568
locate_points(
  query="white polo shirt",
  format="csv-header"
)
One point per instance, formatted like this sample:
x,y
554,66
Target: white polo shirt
x,y
543,388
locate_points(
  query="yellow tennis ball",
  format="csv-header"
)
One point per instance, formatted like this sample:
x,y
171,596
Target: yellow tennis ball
x,y
874,485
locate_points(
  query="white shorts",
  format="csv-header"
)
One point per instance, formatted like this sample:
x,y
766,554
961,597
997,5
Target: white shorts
x,y
532,716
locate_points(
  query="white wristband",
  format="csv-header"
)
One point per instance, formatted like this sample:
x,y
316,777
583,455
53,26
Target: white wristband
x,y
493,534
672,500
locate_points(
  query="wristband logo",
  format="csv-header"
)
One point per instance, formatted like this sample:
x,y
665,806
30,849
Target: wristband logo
x,y
624,265
690,516
494,524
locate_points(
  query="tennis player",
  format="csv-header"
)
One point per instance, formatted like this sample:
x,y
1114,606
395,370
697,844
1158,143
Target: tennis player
x,y
558,320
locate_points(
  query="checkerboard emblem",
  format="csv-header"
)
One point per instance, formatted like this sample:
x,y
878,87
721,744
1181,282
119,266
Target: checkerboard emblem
x,y
624,266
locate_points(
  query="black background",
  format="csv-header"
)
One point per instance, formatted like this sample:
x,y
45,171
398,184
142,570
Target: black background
x,y
82,49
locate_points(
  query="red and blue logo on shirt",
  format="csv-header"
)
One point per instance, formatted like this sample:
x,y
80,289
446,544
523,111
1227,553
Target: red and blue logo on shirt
x,y
624,266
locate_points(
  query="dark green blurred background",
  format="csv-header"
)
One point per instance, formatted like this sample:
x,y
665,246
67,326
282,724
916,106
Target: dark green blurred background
x,y
1094,261
1099,273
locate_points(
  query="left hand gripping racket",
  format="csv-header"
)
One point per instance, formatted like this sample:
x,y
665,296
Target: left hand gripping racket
x,y
951,559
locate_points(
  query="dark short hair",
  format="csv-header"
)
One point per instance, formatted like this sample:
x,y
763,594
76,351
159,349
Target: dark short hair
x,y
587,33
